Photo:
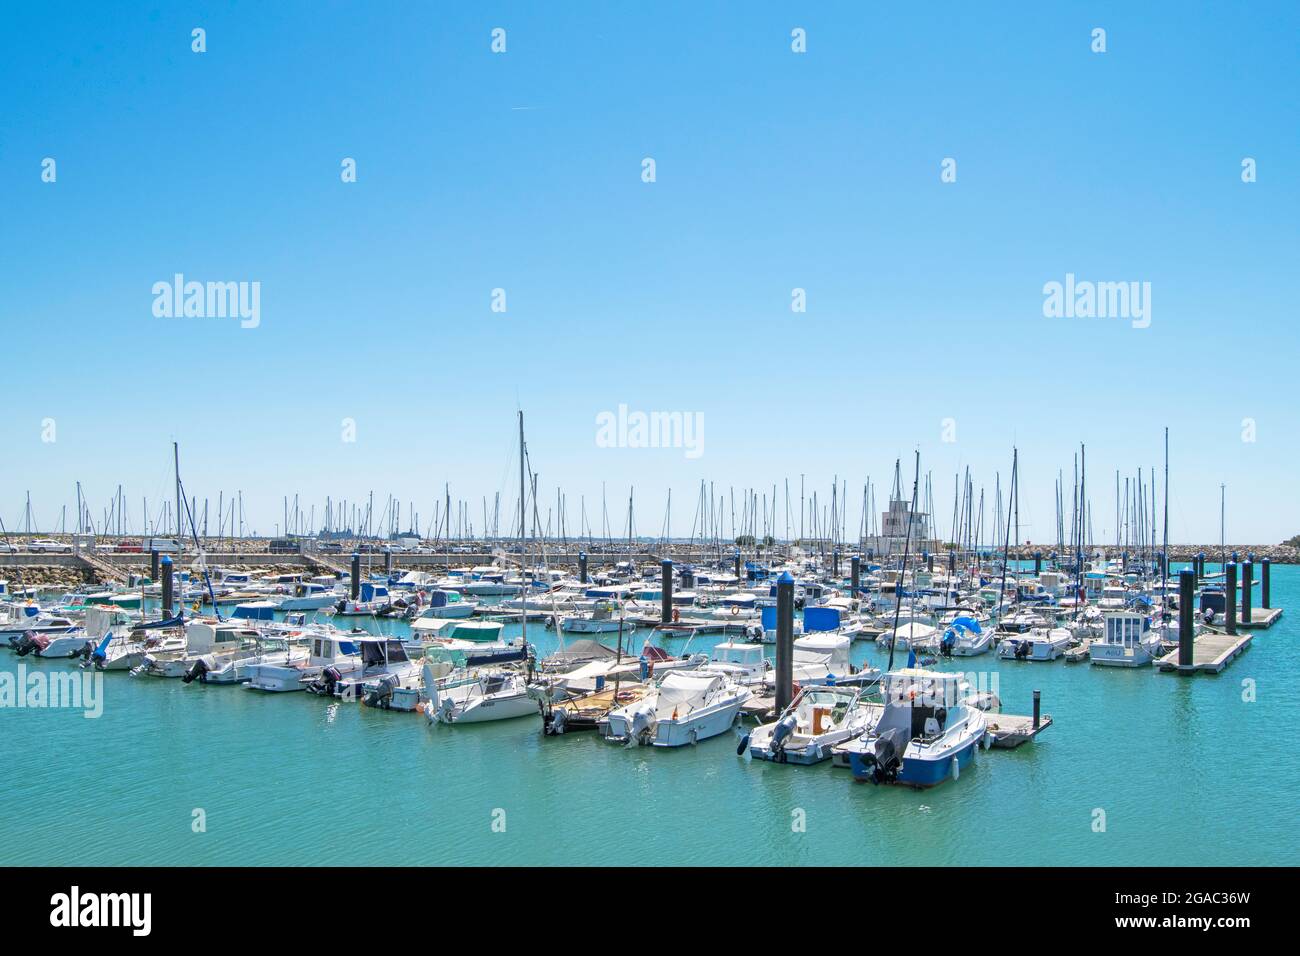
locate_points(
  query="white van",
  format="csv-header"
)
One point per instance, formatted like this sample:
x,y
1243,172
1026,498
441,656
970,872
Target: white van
x,y
161,545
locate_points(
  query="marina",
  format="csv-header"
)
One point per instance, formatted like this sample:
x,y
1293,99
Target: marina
x,y
901,668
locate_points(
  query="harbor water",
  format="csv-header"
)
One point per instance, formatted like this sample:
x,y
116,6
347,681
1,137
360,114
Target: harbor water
x,y
1139,768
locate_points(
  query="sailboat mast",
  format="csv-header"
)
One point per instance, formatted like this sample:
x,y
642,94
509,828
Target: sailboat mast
x,y
523,540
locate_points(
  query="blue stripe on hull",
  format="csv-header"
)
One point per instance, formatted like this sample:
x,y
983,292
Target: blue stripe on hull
x,y
917,772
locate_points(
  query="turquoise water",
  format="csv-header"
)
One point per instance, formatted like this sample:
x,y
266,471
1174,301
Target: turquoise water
x,y
1185,771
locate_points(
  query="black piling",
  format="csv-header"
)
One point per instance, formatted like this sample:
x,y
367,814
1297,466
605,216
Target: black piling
x,y
737,565
952,562
1247,580
582,567
356,577
666,591
1038,562
1186,615
1038,708
688,577
1264,567
388,560
835,564
784,641
1230,596
929,562
855,574
168,587
153,565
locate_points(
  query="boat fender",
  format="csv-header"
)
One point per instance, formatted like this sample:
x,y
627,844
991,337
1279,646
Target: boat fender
x,y
956,768
743,745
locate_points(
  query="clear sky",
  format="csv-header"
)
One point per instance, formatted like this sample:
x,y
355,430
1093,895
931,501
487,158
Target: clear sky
x,y
774,170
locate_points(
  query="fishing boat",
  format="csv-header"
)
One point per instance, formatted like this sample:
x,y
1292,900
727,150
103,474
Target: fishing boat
x,y
208,645
329,649
819,717
495,694
1128,641
926,733
683,708
605,617
380,656
1039,644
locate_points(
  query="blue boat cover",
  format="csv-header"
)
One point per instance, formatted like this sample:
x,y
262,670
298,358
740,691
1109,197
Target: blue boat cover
x,y
820,619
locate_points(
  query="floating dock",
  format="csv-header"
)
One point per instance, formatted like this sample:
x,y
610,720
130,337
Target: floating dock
x,y
1011,730
1212,651
1261,618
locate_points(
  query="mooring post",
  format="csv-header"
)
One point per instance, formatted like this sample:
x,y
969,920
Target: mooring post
x,y
952,562
784,641
688,577
1038,708
582,567
388,560
168,587
1186,612
1247,580
1264,567
1230,596
1199,564
737,565
1038,563
855,574
666,591
356,576
153,565
835,564
929,562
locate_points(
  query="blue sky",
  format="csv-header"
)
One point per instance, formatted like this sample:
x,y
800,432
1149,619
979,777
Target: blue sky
x,y
774,170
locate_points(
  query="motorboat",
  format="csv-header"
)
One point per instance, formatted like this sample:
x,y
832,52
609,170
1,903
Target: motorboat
x,y
380,656
605,617
1128,641
494,694
41,624
208,645
443,604
819,717
926,733
329,650
964,637
684,707
1039,644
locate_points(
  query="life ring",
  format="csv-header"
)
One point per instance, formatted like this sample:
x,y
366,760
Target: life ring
x,y
735,609
677,615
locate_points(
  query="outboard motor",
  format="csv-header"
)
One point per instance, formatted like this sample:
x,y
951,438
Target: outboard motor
x,y
1208,615
1022,650
884,758
382,696
198,671
326,683
84,651
781,733
26,644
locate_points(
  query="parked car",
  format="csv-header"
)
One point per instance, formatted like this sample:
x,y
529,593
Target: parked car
x,y
48,546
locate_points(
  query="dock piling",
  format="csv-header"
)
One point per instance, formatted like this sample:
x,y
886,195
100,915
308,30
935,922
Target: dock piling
x,y
666,591
356,576
1230,596
153,565
1264,568
1247,580
388,560
855,575
737,565
1038,562
1186,611
1038,708
168,586
582,567
784,641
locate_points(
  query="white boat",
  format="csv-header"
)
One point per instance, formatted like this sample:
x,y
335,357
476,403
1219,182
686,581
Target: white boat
x,y
328,649
208,645
683,708
824,659
605,617
442,604
964,637
40,624
1039,644
309,596
425,630
275,651
742,661
914,634
1128,641
380,657
925,734
818,718
495,694
74,643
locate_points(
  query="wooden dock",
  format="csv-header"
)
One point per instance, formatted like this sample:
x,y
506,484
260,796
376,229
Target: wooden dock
x,y
1212,651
